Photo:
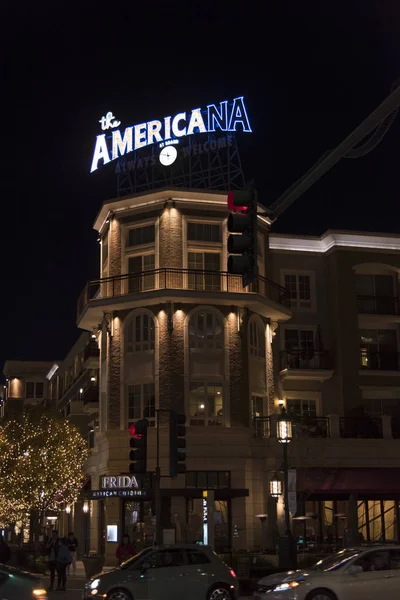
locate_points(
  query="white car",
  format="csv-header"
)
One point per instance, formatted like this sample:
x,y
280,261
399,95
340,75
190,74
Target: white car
x,y
178,572
351,574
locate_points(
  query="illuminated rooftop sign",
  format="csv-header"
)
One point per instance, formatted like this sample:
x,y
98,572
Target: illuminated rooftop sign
x,y
114,144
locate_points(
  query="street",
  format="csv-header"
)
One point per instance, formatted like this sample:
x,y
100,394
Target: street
x,y
75,587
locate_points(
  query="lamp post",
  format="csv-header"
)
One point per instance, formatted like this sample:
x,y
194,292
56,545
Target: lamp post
x,y
287,543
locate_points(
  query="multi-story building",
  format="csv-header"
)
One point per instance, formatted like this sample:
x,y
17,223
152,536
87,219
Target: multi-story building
x,y
168,328
176,331
26,384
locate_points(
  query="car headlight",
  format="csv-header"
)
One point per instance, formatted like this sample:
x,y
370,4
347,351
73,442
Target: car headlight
x,y
40,594
94,584
282,587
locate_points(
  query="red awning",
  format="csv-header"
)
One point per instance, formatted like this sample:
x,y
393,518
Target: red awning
x,y
385,481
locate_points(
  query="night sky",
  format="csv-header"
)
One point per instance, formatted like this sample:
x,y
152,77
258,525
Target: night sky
x,y
310,73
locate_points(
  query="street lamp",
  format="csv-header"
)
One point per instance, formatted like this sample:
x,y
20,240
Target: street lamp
x,y
275,486
287,544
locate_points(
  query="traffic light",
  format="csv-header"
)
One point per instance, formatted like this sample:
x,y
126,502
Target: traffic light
x,y
138,443
244,245
177,443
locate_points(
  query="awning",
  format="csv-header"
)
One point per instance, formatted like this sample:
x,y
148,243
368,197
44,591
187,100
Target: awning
x,y
373,482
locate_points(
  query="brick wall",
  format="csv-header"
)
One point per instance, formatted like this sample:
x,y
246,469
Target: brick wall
x,y
170,238
114,400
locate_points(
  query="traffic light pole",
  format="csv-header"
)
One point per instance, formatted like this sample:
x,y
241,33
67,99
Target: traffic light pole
x,y
157,485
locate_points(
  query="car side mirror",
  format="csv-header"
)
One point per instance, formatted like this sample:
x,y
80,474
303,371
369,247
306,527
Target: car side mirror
x,y
354,569
145,567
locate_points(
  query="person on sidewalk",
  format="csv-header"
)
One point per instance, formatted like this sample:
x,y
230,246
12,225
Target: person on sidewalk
x,y
52,548
72,543
125,550
5,552
63,560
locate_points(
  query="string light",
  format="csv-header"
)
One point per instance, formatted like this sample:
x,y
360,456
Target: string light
x,y
41,467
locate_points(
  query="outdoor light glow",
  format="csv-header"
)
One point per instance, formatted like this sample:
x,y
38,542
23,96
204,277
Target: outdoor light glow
x,y
85,507
275,487
68,509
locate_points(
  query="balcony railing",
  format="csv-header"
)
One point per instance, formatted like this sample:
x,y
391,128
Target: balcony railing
x,y
177,279
378,305
304,359
364,427
91,350
91,395
379,361
303,427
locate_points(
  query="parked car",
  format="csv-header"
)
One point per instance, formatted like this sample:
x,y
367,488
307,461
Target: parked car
x,y
175,572
20,585
351,574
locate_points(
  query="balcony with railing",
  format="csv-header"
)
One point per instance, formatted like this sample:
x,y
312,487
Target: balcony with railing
x,y
372,360
334,426
90,398
305,364
361,427
378,305
221,287
302,427
91,354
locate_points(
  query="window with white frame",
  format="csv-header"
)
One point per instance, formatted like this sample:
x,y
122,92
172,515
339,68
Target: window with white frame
x,y
301,408
141,402
376,407
204,232
208,264
205,331
34,389
140,334
379,349
139,236
299,349
141,272
206,404
300,289
256,339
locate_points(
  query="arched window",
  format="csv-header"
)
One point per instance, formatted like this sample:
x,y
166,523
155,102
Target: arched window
x,y
140,335
206,331
257,339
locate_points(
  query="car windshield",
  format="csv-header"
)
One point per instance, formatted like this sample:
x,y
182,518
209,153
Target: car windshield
x,y
133,559
336,561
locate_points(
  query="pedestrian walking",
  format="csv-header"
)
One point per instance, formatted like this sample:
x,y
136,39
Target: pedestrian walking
x,y
5,552
63,560
52,548
72,543
125,550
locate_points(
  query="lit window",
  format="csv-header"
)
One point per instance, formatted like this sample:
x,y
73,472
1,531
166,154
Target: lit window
x,y
140,334
206,404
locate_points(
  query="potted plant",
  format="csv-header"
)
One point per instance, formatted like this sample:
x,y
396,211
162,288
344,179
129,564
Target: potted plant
x,y
93,563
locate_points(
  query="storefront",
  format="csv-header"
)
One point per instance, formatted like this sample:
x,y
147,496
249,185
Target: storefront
x,y
126,504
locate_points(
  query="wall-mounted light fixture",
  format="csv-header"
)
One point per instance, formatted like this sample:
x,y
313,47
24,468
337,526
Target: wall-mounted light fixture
x,y
85,507
68,509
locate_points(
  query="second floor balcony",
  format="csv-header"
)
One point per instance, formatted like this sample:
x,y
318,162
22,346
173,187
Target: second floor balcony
x,y
179,285
305,364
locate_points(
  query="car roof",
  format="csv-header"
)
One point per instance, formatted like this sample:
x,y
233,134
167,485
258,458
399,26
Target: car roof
x,y
374,547
18,572
184,546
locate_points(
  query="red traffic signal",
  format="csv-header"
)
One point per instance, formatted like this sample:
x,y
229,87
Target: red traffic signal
x,y
233,198
132,429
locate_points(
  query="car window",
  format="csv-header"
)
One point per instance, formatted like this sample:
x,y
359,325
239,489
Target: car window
x,y
197,558
336,561
379,560
166,558
135,561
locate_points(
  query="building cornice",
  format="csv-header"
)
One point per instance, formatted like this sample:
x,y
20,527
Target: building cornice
x,y
335,239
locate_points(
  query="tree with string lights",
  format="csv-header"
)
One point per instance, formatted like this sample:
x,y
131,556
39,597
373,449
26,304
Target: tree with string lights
x,y
41,466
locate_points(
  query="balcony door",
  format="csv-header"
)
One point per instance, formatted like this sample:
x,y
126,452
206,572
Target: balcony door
x,y
208,264
376,294
300,348
139,280
379,349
